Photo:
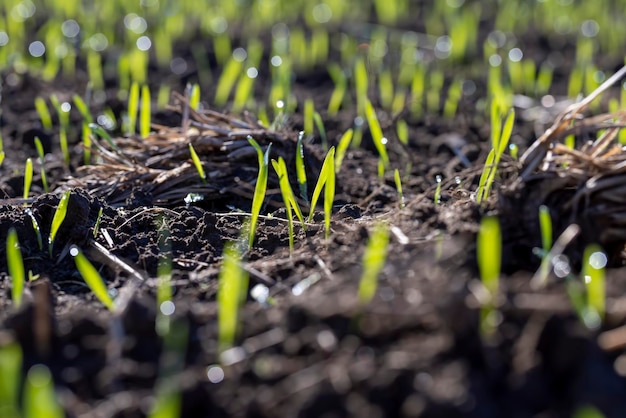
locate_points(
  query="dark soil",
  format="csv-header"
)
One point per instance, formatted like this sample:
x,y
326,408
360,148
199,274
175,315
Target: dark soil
x,y
415,350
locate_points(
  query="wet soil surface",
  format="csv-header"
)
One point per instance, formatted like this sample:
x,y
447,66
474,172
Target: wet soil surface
x,y
311,349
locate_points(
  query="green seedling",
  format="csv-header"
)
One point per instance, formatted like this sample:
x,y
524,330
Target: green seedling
x,y
92,278
402,130
288,198
28,178
101,132
83,109
144,114
587,412
300,168
437,197
44,114
339,92
36,228
197,163
342,148
319,123
40,154
398,181
545,226
15,264
11,372
326,180
64,120
1,149
194,97
385,87
163,96
40,399
500,136
94,69
594,263
86,136
380,142
168,399
361,85
433,94
309,110
57,219
373,262
227,80
489,253
133,108
96,227
231,294
259,189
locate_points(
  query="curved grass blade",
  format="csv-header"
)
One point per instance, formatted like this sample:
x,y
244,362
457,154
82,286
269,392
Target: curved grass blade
x,y
92,278
377,133
197,163
373,262
259,189
329,190
342,147
57,219
321,180
15,264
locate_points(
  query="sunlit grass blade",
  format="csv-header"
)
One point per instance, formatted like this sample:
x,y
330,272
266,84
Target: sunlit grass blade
x,y
57,219
489,253
144,115
44,113
329,190
194,97
231,294
342,147
11,372
259,189
321,180
197,163
91,277
319,123
83,109
40,154
15,264
40,400
300,168
594,263
288,198
28,177
377,133
398,181
133,107
101,132
373,262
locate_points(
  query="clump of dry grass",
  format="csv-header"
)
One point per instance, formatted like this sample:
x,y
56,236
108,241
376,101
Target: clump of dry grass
x,y
584,186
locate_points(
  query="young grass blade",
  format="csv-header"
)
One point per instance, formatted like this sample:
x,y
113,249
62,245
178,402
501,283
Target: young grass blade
x,y
133,107
321,129
377,133
231,293
44,114
197,163
489,251
101,132
11,372
15,264
300,169
39,396
396,177
259,188
57,219
329,189
194,97
321,180
82,108
144,115
28,177
92,278
36,228
342,147
288,198
40,154
373,262
595,261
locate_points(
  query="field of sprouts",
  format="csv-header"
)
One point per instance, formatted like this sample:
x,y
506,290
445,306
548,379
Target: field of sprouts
x,y
290,208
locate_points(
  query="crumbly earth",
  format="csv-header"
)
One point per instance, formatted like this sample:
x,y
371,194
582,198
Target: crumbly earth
x,y
311,349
